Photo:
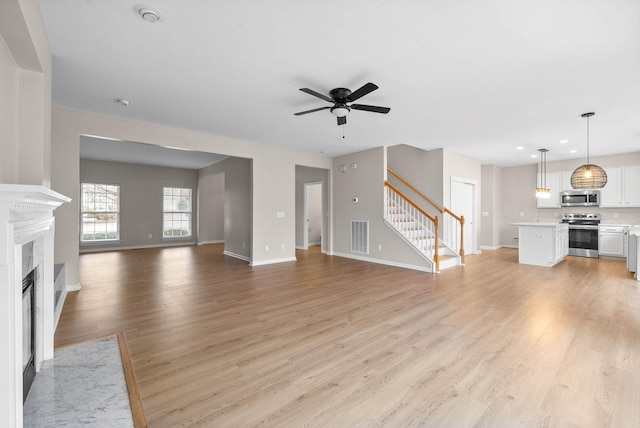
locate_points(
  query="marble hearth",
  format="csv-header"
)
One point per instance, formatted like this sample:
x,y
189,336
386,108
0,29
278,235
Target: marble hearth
x,y
26,243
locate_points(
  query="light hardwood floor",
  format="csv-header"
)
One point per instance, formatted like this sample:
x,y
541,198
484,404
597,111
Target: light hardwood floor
x,y
333,342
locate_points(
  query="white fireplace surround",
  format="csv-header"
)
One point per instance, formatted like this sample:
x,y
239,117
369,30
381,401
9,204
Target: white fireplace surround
x,y
26,221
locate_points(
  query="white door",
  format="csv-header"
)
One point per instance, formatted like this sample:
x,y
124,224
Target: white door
x,y
312,228
463,202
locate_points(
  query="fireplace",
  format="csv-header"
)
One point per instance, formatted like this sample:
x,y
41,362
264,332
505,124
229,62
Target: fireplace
x,y
26,257
28,333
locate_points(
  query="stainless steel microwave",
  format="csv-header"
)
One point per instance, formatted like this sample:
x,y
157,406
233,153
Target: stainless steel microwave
x,y
580,198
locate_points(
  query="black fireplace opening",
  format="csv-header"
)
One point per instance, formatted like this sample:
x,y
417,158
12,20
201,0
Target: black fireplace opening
x,y
28,333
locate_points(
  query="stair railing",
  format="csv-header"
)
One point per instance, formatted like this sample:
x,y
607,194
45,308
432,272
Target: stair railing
x,y
452,225
396,200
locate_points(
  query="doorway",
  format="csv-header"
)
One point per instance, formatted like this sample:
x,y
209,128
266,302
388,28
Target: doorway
x,y
463,202
312,228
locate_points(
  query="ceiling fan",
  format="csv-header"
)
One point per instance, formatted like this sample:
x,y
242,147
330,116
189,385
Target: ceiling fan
x,y
340,97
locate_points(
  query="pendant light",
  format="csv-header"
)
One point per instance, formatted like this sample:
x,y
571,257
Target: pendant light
x,y
588,176
542,191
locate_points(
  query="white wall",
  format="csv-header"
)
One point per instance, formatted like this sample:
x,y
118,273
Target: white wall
x,y
25,95
273,175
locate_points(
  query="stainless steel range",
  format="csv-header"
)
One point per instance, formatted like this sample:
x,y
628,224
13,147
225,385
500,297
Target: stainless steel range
x,y
583,233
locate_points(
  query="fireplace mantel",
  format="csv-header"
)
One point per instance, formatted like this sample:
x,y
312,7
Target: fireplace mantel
x,y
26,216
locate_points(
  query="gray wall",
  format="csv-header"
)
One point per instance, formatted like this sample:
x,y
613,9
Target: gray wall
x,y
491,206
421,168
210,207
238,209
273,171
311,175
366,182
140,200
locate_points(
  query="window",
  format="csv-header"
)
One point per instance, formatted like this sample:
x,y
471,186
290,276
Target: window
x,y
177,212
100,212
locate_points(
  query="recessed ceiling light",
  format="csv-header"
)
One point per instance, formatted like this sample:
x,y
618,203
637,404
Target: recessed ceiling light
x,y
121,101
534,156
573,151
146,13
324,152
520,148
564,141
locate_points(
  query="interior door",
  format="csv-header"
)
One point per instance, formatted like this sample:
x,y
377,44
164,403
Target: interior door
x,y
312,233
463,202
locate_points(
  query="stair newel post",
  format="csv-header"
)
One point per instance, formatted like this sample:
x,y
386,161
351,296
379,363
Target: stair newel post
x,y
436,256
462,239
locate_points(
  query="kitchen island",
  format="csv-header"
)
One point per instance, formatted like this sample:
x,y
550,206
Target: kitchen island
x,y
542,244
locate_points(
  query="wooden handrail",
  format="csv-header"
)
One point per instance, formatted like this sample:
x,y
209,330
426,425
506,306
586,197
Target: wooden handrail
x,y
406,183
413,204
452,214
443,210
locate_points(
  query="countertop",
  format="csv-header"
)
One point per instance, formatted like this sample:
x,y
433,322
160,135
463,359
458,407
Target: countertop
x,y
539,224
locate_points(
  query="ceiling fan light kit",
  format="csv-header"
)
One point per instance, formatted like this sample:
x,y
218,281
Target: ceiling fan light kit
x,y
588,176
340,97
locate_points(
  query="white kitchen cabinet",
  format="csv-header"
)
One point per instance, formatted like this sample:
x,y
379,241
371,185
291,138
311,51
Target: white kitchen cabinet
x,y
611,195
623,187
631,186
611,240
553,184
542,244
565,181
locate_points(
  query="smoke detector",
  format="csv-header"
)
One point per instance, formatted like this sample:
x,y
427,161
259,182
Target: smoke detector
x,y
147,14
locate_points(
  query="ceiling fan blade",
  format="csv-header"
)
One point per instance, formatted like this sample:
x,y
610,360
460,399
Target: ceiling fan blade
x,y
316,94
342,120
364,90
311,111
375,109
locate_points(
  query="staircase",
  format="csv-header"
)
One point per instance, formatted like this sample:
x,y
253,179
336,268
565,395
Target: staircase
x,y
421,230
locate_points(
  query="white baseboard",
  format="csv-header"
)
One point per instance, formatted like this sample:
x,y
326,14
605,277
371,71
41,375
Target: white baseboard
x,y
73,287
511,246
237,256
273,261
489,247
134,247
385,262
215,241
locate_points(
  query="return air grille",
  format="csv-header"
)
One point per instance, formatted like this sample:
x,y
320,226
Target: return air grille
x,y
360,236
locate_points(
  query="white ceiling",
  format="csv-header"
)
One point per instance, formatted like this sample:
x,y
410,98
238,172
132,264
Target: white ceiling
x,y
144,154
476,77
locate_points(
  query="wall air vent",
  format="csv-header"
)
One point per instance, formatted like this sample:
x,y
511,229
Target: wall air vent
x,y
360,236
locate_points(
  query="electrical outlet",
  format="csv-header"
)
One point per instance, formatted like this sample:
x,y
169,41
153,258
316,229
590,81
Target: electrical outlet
x,y
521,214
379,247
282,247
266,248
150,236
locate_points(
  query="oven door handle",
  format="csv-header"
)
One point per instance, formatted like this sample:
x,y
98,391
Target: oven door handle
x,y
584,227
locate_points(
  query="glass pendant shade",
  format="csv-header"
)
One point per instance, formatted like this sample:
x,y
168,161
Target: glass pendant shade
x,y
588,177
542,192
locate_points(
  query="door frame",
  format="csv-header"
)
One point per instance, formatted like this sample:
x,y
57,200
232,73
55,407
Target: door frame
x,y
474,210
305,226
